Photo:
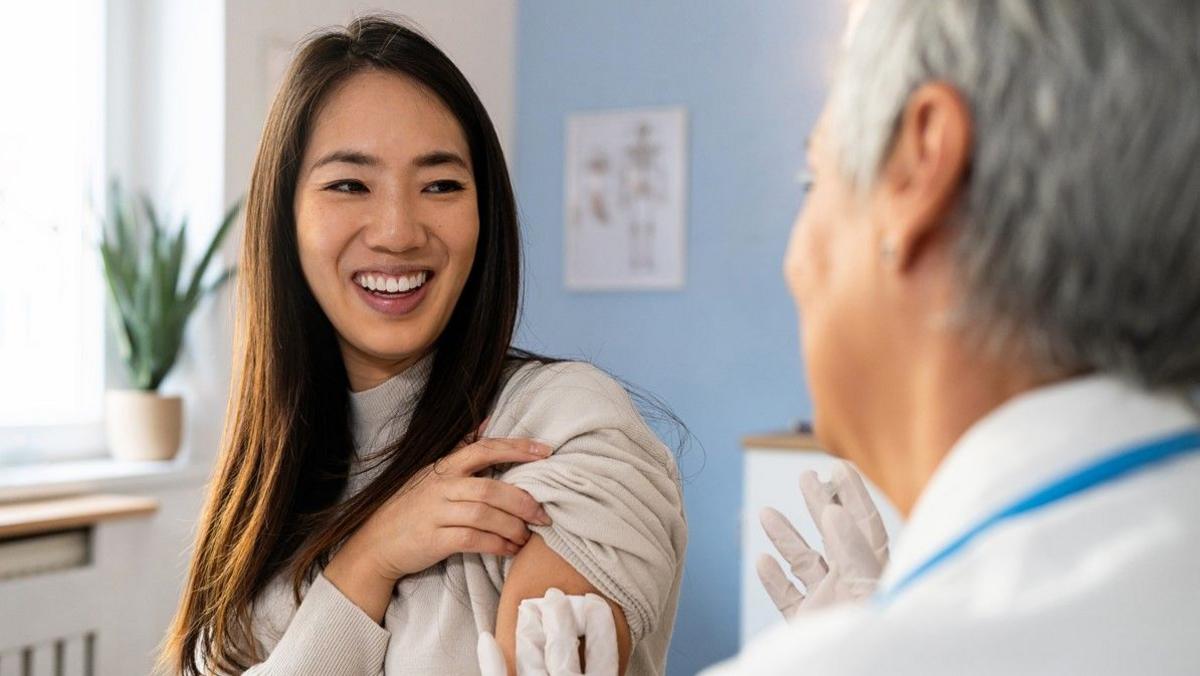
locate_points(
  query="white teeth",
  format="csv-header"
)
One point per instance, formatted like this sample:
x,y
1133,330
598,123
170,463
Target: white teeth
x,y
387,284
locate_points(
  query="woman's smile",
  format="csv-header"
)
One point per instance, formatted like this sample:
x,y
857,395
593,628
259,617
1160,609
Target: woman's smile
x,y
394,295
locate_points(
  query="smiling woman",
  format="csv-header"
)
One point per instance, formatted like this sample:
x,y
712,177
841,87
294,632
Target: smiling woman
x,y
386,199
396,478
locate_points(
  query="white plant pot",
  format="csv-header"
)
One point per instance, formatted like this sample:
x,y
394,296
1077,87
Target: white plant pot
x,y
142,425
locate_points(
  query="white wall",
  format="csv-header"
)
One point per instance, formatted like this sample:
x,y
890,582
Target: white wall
x,y
480,37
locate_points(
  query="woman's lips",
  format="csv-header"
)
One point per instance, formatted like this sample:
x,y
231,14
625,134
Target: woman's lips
x,y
394,304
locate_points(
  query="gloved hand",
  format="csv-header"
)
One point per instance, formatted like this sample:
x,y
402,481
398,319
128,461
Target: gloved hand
x,y
548,631
856,545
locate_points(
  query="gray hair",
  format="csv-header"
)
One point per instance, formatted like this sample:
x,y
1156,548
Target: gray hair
x,y
1080,220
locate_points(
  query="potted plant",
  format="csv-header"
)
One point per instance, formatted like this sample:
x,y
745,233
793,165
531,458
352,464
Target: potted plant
x,y
152,299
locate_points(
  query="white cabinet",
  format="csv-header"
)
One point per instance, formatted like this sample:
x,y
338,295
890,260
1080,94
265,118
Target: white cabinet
x,y
772,467
108,616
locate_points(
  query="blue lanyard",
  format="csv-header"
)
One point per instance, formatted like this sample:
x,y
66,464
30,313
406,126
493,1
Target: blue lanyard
x,y
1104,471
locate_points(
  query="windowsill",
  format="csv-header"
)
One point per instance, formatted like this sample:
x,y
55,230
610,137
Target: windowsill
x,y
27,482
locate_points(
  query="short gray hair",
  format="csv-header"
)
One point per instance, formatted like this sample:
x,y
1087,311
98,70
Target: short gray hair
x,y
1080,222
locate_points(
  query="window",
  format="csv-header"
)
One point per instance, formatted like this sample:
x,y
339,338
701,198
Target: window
x,y
52,296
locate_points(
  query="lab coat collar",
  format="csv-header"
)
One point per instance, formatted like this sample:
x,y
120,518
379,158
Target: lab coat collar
x,y
1029,441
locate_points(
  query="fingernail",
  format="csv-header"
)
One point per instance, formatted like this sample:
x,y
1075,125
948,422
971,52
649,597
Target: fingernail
x,y
542,519
540,449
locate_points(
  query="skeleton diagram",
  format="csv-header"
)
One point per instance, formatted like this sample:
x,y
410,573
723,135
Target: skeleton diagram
x,y
642,189
592,206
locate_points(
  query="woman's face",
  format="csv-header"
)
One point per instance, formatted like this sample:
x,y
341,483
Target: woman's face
x,y
829,269
386,219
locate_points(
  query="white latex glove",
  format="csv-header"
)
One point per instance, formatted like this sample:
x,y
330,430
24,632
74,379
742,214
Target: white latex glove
x,y
548,631
856,545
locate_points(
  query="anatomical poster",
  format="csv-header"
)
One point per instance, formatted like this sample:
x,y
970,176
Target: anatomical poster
x,y
626,197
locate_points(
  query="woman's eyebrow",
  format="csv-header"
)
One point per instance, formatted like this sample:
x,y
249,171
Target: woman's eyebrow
x,y
433,158
348,157
438,158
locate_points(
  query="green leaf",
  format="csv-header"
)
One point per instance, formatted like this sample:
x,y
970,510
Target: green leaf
x,y
119,234
202,266
178,247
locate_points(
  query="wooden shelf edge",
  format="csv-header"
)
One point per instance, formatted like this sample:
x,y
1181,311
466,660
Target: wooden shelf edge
x,y
782,441
44,516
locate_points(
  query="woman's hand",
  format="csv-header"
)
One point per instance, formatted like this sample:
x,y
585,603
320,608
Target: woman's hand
x,y
443,510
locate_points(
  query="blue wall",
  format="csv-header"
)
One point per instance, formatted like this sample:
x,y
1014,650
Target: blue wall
x,y
723,352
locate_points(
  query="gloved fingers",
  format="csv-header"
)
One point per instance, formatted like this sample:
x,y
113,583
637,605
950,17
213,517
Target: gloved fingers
x,y
817,494
562,634
531,639
805,562
829,592
846,546
853,495
491,659
600,635
783,593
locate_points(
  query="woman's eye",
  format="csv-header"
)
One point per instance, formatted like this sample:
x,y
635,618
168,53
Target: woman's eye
x,y
347,186
440,187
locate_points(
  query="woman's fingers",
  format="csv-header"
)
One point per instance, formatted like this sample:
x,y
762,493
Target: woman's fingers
x,y
483,517
500,495
487,452
475,435
460,539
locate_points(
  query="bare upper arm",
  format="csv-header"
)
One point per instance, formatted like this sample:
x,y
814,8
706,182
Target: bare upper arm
x,y
536,569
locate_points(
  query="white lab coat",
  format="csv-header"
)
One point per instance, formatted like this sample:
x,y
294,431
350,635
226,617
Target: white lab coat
x,y
1106,582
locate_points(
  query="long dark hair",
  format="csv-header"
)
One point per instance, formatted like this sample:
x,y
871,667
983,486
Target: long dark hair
x,y
273,504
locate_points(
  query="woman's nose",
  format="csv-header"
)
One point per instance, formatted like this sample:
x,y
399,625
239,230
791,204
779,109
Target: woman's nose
x,y
397,227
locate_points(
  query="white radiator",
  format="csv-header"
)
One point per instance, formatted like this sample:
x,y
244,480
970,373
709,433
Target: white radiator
x,y
67,656
100,609
40,554
31,558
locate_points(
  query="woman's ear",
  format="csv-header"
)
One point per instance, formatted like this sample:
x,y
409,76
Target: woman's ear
x,y
924,173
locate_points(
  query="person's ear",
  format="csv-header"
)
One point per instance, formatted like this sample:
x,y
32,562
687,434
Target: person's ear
x,y
924,173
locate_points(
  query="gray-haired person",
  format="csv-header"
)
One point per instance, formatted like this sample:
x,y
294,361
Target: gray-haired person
x,y
998,270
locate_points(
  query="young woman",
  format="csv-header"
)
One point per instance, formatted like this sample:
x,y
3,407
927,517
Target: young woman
x,y
395,476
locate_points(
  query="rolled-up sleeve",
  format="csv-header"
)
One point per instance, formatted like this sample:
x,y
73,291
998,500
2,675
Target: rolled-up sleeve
x,y
611,487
